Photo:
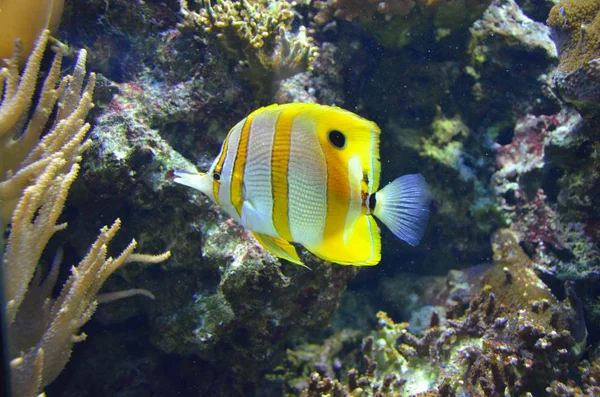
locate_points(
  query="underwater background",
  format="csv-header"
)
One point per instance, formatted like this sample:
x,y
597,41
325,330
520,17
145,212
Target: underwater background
x,y
496,103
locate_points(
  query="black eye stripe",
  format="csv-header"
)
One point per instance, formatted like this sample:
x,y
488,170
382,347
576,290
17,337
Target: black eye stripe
x,y
337,139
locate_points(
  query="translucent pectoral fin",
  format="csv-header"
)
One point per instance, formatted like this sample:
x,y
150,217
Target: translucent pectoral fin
x,y
254,220
279,247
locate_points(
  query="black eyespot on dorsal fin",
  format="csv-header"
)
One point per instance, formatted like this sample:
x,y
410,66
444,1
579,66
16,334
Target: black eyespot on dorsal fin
x,y
372,203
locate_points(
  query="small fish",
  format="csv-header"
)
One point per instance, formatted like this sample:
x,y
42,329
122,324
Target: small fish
x,y
309,174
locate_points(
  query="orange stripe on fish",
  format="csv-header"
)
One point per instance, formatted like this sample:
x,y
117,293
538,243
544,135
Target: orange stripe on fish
x,y
279,172
237,176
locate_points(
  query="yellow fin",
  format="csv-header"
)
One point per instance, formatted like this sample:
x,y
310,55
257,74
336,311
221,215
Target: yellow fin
x,y
361,245
279,247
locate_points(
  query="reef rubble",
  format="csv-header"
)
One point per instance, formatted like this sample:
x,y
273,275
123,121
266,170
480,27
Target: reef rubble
x,y
513,337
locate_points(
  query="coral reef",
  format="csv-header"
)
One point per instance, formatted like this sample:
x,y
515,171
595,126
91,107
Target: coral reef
x,y
258,36
38,174
396,23
576,32
514,337
557,230
463,92
220,297
503,41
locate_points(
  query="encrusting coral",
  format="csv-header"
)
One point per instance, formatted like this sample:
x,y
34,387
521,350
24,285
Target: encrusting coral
x,y
554,220
258,35
512,338
576,31
36,177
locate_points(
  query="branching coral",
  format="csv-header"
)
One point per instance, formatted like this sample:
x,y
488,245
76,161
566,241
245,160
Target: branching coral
x,y
38,174
22,157
256,34
239,22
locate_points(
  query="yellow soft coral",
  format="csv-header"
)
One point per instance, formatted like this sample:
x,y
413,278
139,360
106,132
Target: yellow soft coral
x,y
25,20
40,151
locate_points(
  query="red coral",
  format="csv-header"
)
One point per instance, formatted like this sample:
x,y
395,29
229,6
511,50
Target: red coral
x,y
526,151
538,222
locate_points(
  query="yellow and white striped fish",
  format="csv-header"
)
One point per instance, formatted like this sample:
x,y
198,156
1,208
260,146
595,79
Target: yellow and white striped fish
x,y
309,174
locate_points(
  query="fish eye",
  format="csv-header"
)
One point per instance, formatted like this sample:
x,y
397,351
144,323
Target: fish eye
x,y
216,176
337,139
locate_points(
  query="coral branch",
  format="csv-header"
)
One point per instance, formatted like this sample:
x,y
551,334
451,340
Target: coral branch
x,y
35,178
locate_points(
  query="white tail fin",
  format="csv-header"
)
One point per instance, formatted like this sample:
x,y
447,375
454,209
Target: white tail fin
x,y
403,207
199,181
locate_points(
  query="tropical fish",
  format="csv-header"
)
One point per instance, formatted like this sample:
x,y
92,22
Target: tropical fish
x,y
309,174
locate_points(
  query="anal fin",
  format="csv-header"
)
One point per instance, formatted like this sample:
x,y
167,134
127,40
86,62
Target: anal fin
x,y
360,246
279,247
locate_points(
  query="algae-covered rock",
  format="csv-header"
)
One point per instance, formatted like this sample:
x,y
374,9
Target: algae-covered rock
x,y
576,31
400,23
513,337
258,36
255,311
548,193
511,57
222,297
463,92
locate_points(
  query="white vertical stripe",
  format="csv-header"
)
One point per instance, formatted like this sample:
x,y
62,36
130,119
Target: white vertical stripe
x,y
355,174
257,173
374,155
307,184
227,171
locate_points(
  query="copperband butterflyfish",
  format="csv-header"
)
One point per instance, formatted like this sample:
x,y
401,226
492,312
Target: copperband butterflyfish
x,y
309,174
